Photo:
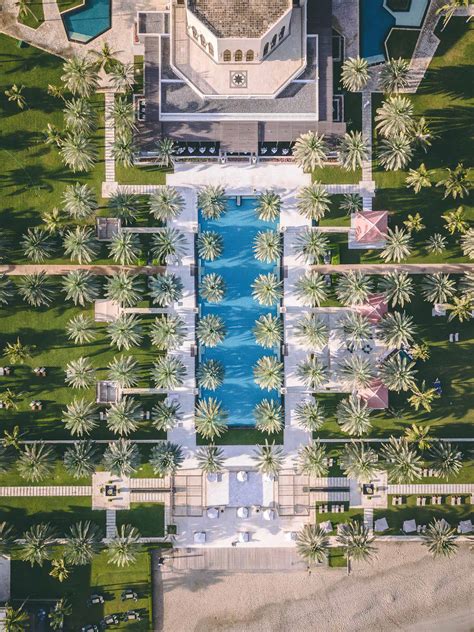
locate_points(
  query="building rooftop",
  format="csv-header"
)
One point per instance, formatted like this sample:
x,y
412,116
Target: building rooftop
x,y
239,18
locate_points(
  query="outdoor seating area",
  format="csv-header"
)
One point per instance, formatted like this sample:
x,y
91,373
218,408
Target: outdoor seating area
x,y
331,508
5,371
36,405
40,371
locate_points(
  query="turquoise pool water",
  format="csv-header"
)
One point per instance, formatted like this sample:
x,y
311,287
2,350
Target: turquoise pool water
x,y
88,21
238,352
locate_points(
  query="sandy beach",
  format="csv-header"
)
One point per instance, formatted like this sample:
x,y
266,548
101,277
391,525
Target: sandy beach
x,y
403,589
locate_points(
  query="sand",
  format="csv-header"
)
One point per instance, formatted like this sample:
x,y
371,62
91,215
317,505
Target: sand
x,y
403,589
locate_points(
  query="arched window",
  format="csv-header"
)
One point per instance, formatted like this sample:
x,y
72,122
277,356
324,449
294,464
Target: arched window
x,y
282,33
238,56
227,55
195,33
265,49
274,40
249,55
211,49
203,40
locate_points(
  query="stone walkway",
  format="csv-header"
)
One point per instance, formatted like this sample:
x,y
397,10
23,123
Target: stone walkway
x,y
411,268
109,137
63,268
436,488
59,490
110,524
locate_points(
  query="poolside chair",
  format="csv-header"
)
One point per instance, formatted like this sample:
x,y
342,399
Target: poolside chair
x,y
243,512
242,476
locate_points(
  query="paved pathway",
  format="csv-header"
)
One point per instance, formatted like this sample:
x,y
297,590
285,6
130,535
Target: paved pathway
x,y
369,518
367,137
411,268
53,490
436,488
63,268
110,523
109,137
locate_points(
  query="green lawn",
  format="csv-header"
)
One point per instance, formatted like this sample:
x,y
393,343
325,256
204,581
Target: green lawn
x,y
66,5
396,515
336,558
338,518
336,216
243,436
148,518
35,15
401,43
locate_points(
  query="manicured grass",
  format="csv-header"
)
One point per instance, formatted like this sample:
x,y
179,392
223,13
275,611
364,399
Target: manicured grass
x,y
336,558
58,476
138,63
35,15
338,518
66,5
98,577
396,514
148,518
335,216
243,436
148,174
335,174
401,43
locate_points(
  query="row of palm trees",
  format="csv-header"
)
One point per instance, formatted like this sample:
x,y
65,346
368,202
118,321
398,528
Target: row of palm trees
x,y
17,619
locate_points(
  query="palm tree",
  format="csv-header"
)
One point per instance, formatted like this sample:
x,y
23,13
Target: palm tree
x,y
5,455
80,287
82,543
269,458
357,540
351,203
352,151
10,399
125,206
35,461
395,152
62,609
210,459
357,329
311,372
52,135
212,288
52,221
398,245
123,288
168,372
80,459
210,374
420,435
268,206
449,8
421,134
16,619
124,116
422,397
414,223
354,288
401,461
394,117
124,548
467,243
267,289
125,332
436,244
80,244
268,372
80,373
38,539
79,116
57,92
359,461
267,246
312,460
165,415
166,289
124,149
17,352
418,179
77,152
394,75
310,415
357,372
353,416
125,248
105,57
15,95
6,289
80,76
210,330
166,149
311,289
7,538
312,544
35,289
447,460
80,417
398,374
81,329
212,201
122,76
123,416
438,288
209,245
456,182
467,284
268,416
440,539
37,245
455,221
420,351
313,201
168,332
210,418
121,457
169,245
268,331
59,570
460,308
311,246
355,74
166,203
312,331
166,458
397,288
397,329
309,151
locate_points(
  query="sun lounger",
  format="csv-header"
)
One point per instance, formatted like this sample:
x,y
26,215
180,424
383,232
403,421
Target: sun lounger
x,y
465,526
381,525
326,526
409,526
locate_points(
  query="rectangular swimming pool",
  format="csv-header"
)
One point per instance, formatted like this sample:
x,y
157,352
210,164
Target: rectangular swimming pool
x,y
239,351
